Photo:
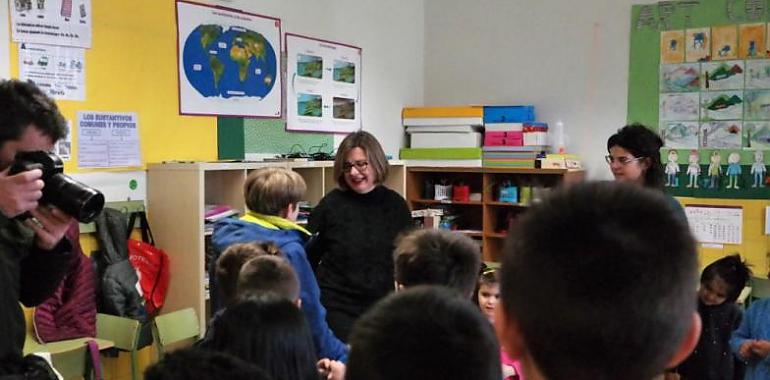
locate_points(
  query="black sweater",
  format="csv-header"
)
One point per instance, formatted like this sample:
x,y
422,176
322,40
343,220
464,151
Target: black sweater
x,y
27,275
355,246
712,358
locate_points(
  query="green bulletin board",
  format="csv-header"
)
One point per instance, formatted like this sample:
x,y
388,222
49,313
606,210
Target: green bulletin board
x,y
238,137
647,23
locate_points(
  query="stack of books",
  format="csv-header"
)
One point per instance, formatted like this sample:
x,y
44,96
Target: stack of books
x,y
449,136
505,137
216,212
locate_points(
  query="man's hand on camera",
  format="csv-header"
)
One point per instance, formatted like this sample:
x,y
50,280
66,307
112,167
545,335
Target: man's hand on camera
x,y
50,224
20,192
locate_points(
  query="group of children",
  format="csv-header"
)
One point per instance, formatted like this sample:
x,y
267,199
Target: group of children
x,y
597,282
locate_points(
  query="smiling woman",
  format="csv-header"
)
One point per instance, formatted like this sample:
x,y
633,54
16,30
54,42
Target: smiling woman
x,y
357,224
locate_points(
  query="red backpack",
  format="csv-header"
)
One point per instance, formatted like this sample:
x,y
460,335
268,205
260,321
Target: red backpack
x,y
151,264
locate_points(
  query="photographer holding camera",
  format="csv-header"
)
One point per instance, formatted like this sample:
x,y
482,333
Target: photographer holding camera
x,y
33,253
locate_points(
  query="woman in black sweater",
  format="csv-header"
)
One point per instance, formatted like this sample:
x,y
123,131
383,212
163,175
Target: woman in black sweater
x,y
357,224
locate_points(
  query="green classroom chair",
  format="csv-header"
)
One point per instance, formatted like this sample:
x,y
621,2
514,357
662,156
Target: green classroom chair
x,y
68,356
760,288
124,333
175,327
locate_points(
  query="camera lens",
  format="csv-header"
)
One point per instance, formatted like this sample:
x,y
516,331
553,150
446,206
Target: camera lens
x,y
73,197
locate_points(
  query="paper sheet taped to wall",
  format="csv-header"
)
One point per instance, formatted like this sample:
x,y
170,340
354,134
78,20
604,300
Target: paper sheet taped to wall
x,y
716,224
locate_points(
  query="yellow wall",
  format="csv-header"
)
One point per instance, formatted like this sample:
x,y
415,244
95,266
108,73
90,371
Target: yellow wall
x,y
132,67
755,246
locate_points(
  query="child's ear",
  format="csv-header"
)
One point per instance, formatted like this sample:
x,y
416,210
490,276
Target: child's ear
x,y
688,343
509,333
299,303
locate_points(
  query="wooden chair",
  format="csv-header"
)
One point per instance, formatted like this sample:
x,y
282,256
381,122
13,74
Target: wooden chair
x,y
174,328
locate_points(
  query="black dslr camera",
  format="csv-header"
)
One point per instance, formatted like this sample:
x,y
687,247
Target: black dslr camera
x,y
74,198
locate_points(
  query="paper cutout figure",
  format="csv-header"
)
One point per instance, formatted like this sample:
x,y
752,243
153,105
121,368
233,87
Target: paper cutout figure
x,y
714,169
733,170
693,169
758,169
672,169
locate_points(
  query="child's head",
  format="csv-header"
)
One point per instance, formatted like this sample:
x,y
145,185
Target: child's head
x,y
268,331
271,191
198,363
424,333
723,280
268,274
487,294
437,257
229,264
599,282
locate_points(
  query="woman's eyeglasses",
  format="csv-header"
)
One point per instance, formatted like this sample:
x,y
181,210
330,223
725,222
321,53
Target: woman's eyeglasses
x,y
623,160
360,166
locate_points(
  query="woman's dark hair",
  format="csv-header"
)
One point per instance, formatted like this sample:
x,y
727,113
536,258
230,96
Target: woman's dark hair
x,y
732,270
270,332
642,142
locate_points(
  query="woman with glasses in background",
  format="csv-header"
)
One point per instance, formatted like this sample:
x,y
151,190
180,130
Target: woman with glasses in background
x,y
634,157
357,224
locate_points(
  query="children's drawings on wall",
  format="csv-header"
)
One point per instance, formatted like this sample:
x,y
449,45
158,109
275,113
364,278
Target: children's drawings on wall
x,y
757,105
756,134
724,42
682,106
697,44
672,46
680,134
751,43
758,74
684,77
722,105
726,75
721,134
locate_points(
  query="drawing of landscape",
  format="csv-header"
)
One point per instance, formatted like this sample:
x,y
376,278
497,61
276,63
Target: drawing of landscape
x,y
309,66
758,105
727,75
721,134
679,78
757,135
722,105
309,105
680,134
682,106
758,74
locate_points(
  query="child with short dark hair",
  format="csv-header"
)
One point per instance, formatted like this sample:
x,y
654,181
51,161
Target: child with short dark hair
x,y
423,333
272,197
598,282
437,257
487,297
268,274
202,364
228,266
720,285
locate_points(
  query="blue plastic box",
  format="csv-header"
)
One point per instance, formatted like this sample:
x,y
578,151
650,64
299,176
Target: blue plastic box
x,y
508,114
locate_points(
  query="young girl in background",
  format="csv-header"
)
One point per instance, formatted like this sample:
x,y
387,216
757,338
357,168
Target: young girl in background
x,y
487,297
721,283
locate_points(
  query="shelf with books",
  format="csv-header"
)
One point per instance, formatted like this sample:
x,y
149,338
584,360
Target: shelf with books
x,y
445,202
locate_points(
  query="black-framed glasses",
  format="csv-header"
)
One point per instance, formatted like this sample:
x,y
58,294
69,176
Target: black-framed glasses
x,y
623,160
360,166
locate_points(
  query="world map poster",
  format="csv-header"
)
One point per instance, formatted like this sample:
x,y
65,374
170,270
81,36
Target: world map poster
x,y
229,62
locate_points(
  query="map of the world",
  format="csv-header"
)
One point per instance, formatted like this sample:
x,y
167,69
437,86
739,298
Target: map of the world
x,y
229,62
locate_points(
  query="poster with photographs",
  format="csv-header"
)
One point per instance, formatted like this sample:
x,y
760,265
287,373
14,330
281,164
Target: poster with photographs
x,y
323,85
